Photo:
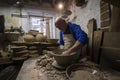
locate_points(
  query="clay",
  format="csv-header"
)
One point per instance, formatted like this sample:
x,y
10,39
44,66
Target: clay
x,y
39,37
63,60
33,51
28,38
44,64
83,75
32,48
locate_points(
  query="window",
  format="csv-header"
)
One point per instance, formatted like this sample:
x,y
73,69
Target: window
x,y
37,23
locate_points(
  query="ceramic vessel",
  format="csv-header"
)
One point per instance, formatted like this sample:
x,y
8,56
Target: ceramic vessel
x,y
39,37
64,60
84,67
52,40
28,38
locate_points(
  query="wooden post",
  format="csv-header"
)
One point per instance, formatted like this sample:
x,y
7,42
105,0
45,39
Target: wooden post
x,y
47,29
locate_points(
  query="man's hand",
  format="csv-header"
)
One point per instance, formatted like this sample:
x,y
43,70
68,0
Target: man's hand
x,y
67,53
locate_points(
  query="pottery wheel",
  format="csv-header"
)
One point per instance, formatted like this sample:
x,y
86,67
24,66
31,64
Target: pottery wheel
x,y
56,65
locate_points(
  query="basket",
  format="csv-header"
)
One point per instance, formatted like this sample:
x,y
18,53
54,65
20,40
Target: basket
x,y
76,67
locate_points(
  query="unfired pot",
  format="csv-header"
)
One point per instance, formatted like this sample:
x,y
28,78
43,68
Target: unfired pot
x,y
63,60
28,38
39,37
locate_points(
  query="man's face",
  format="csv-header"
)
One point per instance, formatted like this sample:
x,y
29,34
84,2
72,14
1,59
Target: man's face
x,y
61,25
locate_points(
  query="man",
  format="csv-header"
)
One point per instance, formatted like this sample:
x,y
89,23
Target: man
x,y
71,36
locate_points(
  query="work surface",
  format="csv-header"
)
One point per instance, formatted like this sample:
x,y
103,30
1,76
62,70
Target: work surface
x,y
33,71
28,71
40,69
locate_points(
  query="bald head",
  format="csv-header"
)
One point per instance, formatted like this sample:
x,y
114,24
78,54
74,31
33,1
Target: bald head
x,y
61,24
59,20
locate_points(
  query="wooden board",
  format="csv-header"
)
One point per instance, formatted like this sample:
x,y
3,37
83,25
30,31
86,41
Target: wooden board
x,y
111,39
110,57
115,20
110,50
91,27
97,44
111,53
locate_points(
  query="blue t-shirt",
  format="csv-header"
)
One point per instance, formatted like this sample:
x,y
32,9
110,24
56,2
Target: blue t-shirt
x,y
77,33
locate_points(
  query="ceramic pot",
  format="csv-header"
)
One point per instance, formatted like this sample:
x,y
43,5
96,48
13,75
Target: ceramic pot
x,y
52,40
39,37
28,38
63,60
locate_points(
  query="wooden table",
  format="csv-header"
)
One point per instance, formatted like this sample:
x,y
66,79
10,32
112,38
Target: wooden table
x,y
28,71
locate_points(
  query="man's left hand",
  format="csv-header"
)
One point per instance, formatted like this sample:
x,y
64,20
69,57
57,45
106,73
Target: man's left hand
x,y
68,52
65,53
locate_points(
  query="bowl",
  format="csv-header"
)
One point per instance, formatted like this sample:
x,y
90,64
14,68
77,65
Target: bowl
x,y
52,40
83,68
63,60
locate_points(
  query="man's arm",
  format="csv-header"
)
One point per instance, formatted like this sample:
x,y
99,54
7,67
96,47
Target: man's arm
x,y
74,48
61,41
81,37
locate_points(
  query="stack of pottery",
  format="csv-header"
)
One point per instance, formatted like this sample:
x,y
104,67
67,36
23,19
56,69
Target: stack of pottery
x,y
33,52
19,53
28,37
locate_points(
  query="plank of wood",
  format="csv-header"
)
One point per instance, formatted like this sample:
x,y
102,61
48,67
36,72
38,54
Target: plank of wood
x,y
97,44
112,54
115,20
91,27
110,57
111,39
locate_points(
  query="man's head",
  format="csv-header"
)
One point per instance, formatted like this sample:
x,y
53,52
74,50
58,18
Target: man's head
x,y
61,24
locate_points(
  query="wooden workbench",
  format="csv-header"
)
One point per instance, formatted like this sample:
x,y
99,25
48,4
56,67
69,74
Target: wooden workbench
x,y
28,71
